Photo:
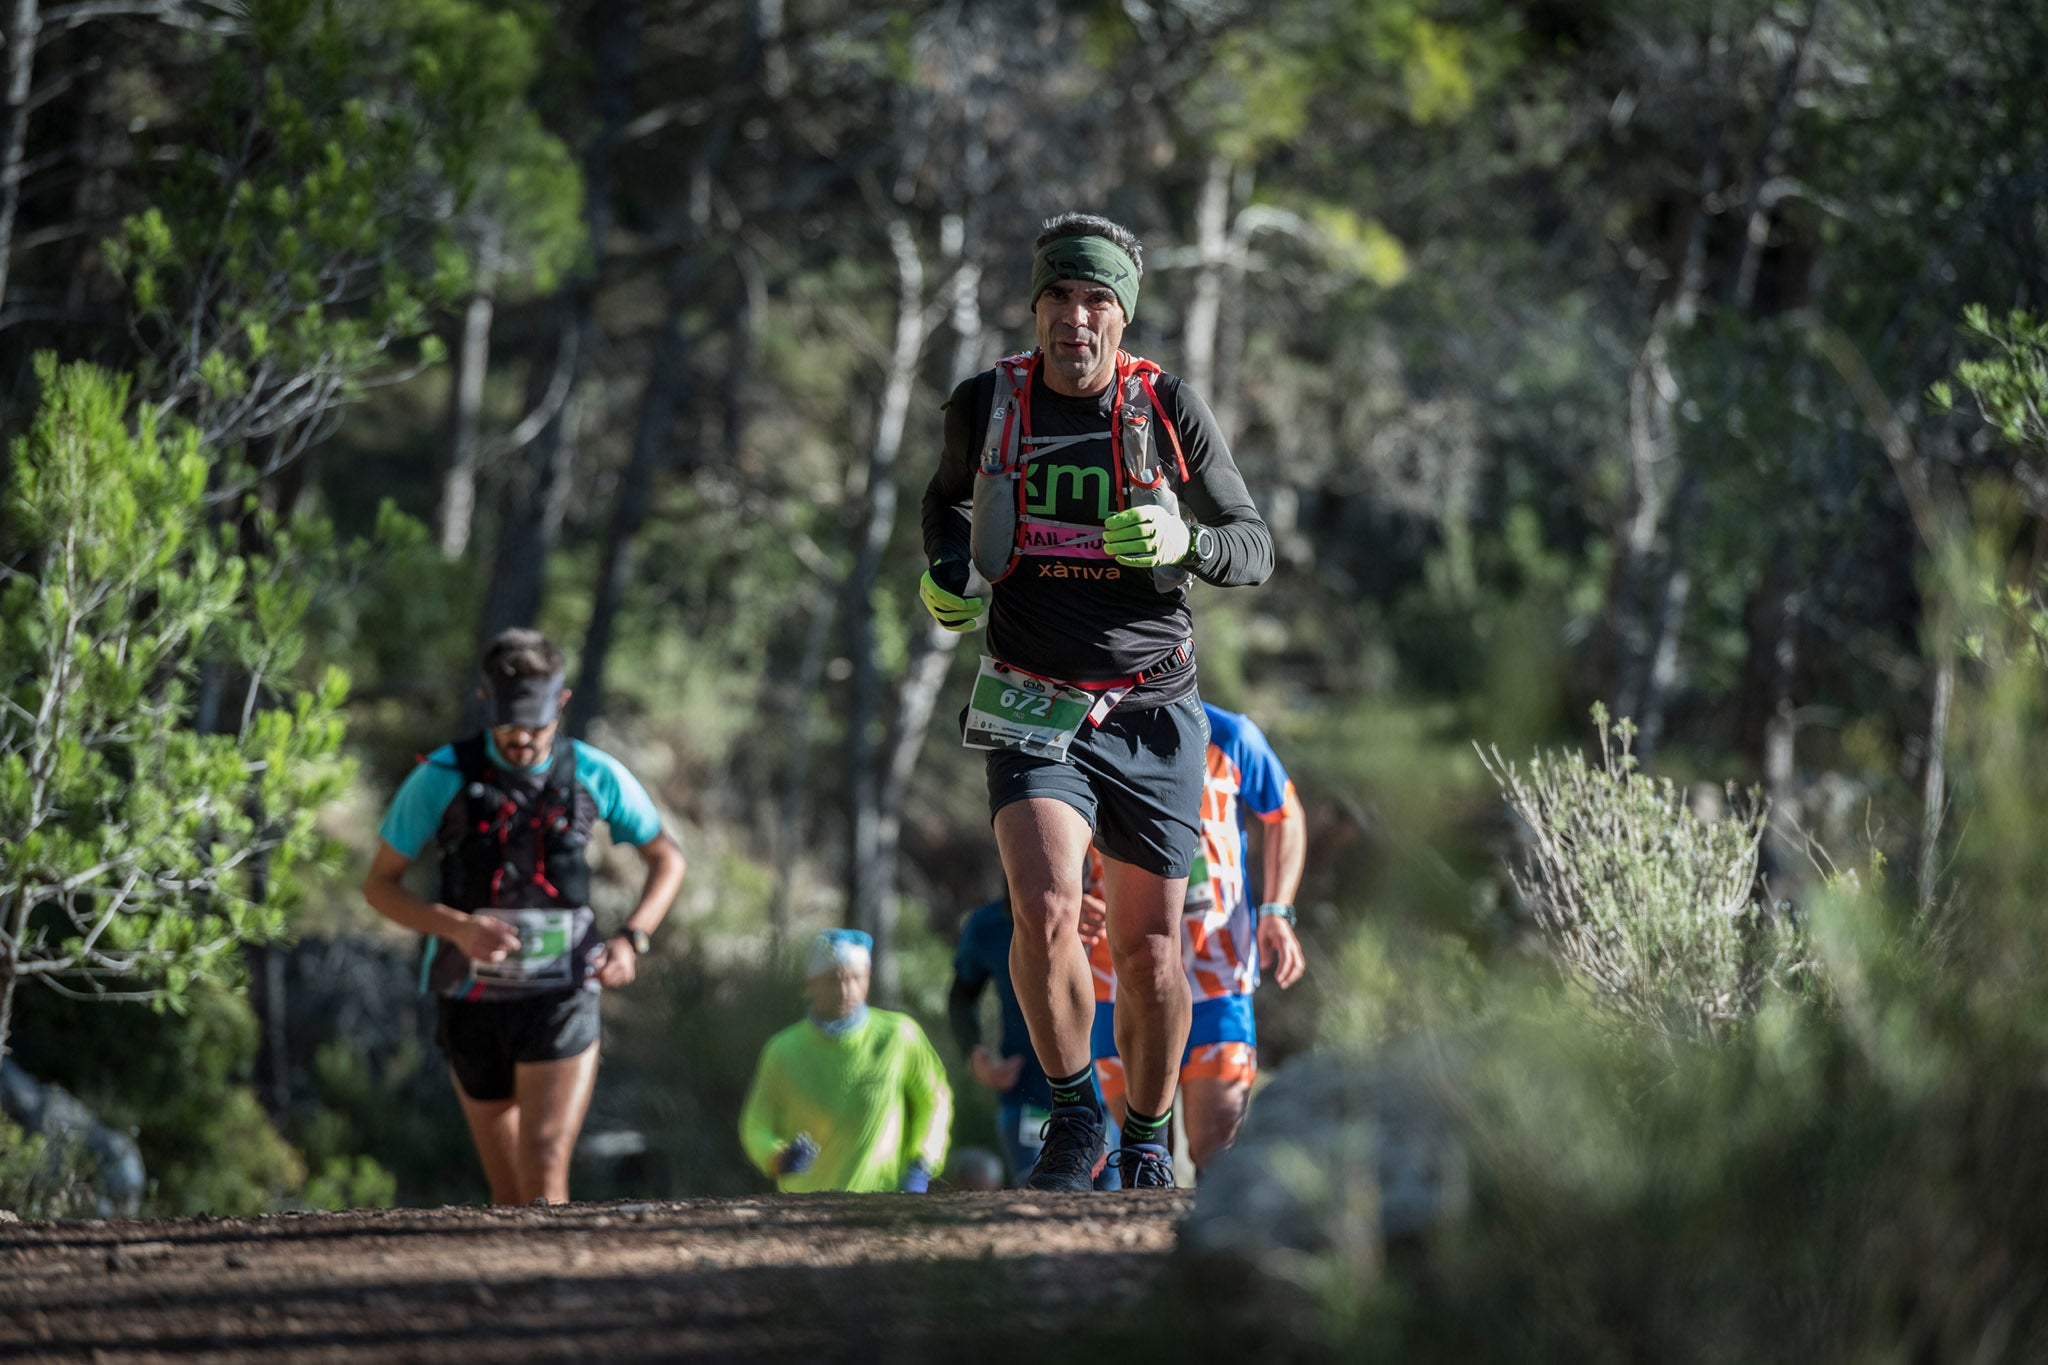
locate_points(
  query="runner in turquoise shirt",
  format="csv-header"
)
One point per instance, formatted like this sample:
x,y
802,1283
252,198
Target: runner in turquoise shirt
x,y
512,953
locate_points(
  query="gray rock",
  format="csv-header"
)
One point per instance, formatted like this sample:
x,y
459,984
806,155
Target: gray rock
x,y
50,1111
1338,1161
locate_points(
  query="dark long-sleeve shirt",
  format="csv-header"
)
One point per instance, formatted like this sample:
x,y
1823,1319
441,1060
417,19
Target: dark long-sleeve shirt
x,y
1095,620
984,958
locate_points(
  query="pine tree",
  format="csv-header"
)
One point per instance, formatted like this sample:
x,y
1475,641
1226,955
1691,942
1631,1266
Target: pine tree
x,y
137,853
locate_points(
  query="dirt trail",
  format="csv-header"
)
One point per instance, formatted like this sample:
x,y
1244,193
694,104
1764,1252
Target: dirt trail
x,y
838,1277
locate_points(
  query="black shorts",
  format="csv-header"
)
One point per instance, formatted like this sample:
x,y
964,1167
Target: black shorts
x,y
484,1039
1136,779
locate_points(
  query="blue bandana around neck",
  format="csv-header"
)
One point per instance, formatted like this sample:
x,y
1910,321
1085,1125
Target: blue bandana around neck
x,y
839,1028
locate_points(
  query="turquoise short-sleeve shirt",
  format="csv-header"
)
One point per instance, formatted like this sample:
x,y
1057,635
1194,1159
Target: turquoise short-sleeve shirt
x,y
422,799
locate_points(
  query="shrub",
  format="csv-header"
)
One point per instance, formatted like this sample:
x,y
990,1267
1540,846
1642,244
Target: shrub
x,y
1651,910
206,1142
43,1177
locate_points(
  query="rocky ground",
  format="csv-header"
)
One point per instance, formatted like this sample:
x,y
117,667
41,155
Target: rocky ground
x,y
822,1277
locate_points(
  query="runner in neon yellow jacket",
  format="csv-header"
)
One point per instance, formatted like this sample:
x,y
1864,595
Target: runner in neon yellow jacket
x,y
851,1098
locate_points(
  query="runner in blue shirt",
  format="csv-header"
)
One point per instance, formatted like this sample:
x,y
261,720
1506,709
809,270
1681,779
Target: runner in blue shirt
x,y
1023,1097
512,952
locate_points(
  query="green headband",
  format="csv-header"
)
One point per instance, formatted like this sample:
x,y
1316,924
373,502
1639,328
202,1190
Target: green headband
x,y
1086,258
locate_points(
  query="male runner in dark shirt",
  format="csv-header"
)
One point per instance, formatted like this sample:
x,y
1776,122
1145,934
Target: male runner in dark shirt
x,y
1083,577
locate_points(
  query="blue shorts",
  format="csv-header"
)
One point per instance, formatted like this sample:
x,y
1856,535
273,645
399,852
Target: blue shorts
x,y
1225,1019
1102,1033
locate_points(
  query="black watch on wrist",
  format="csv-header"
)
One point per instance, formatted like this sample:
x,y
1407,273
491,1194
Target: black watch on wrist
x,y
1201,541
642,944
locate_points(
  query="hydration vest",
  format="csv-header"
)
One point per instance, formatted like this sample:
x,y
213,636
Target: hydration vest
x,y
1001,524
511,841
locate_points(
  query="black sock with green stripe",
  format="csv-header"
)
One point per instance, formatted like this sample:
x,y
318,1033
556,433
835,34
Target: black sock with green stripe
x,y
1077,1089
1143,1128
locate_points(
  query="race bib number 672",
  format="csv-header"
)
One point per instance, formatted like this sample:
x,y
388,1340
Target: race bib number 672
x,y
1011,710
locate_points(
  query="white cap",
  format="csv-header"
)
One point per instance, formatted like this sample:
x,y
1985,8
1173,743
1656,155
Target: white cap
x,y
833,949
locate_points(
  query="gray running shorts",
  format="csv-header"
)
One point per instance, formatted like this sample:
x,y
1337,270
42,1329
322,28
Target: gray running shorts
x,y
1136,779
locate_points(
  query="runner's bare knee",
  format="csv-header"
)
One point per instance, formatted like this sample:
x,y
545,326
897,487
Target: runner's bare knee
x,y
1148,966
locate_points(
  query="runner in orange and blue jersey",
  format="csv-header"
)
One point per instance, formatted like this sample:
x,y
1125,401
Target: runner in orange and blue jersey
x,y
1224,937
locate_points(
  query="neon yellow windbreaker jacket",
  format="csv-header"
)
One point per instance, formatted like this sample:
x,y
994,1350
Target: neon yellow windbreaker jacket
x,y
874,1100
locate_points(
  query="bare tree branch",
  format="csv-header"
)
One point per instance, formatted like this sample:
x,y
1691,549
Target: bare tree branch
x,y
175,13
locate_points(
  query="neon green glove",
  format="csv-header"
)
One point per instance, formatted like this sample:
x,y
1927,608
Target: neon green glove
x,y
1145,537
949,609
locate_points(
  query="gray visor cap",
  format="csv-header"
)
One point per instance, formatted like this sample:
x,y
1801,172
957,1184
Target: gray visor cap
x,y
530,700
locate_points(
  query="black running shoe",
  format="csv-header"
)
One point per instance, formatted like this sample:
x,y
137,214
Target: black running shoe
x,y
1073,1151
1145,1166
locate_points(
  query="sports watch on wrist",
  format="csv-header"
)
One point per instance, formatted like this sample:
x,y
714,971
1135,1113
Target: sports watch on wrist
x,y
1201,540
642,943
1277,910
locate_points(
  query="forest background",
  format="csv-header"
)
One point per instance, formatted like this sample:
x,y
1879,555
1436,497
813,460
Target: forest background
x,y
1574,352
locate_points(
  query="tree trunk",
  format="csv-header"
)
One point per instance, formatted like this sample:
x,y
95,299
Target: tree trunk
x,y
1205,303
268,997
1226,398
1756,231
742,342
765,35
465,408
796,779
534,504
534,498
1661,677
931,653
668,373
667,377
878,797
95,203
1692,266
931,650
1653,396
1661,670
1934,783
965,315
10,959
871,872
1629,649
1770,683
22,27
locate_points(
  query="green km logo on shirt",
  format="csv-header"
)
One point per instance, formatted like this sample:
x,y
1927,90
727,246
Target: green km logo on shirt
x,y
1043,487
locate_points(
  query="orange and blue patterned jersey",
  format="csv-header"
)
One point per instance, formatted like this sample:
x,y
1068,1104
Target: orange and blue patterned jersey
x,y
1099,965
1219,940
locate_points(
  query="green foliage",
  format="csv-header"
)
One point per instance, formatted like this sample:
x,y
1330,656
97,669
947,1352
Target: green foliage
x,y
1361,247
139,851
344,166
1271,75
42,1177
1855,1173
1857,1178
206,1142
351,1183
2010,385
385,1127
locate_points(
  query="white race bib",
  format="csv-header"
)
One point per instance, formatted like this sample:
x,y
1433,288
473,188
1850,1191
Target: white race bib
x,y
1201,896
1013,710
546,954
